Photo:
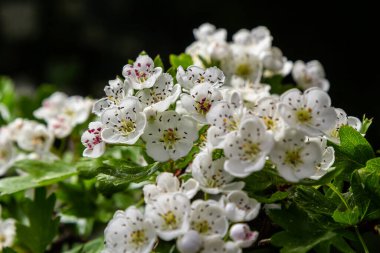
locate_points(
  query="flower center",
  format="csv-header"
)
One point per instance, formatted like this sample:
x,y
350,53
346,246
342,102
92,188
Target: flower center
x,y
243,70
202,227
38,140
269,123
203,106
250,150
304,115
170,219
138,237
169,138
293,157
230,124
127,126
3,154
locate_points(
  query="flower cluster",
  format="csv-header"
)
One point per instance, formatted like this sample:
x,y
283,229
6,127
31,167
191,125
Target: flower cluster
x,y
248,129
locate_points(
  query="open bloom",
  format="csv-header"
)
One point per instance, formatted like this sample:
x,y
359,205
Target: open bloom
x,y
328,158
7,152
211,176
161,95
35,137
208,218
244,67
242,235
195,75
51,106
295,157
310,112
342,120
170,136
200,100
169,214
246,150
116,91
275,63
169,183
125,123
310,75
239,207
92,140
7,232
142,74
129,232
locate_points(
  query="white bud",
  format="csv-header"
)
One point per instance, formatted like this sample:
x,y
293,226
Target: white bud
x,y
242,235
190,242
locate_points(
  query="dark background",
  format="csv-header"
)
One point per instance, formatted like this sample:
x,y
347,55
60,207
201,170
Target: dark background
x,y
79,45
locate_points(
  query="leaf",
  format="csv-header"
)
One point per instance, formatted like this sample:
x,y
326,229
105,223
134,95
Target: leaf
x,y
366,123
183,60
39,174
158,62
349,217
359,195
327,178
93,246
370,176
275,197
41,227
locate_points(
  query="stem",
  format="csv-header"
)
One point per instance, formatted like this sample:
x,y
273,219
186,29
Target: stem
x,y
361,240
140,203
206,196
334,189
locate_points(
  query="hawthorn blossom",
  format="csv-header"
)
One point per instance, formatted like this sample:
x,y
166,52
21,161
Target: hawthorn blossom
x,y
211,176
328,158
129,232
7,232
244,67
51,106
310,112
92,140
7,151
161,95
296,157
194,75
242,235
310,74
216,244
125,123
169,214
200,100
208,32
169,183
116,91
170,136
142,74
275,63
208,218
342,120
239,207
255,41
246,150
35,137
190,242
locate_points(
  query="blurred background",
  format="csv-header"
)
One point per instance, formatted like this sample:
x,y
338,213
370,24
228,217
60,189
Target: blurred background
x,y
79,45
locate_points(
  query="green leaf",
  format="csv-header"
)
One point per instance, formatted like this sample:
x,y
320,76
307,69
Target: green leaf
x,y
183,60
359,194
94,246
41,228
349,217
158,62
8,250
39,174
366,123
275,197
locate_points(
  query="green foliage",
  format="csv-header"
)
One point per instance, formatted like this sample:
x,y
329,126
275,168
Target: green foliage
x,y
41,227
39,173
94,246
158,62
277,87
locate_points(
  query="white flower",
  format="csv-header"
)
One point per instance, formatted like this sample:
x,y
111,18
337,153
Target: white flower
x,y
51,106
243,67
142,74
7,152
255,41
211,175
7,232
295,157
161,95
190,242
129,232
275,63
224,119
310,75
169,214
247,149
35,137
310,112
116,91
195,75
208,32
216,244
168,183
328,158
170,136
239,207
342,120
267,110
125,123
200,100
4,112
208,218
61,126
242,235
92,140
